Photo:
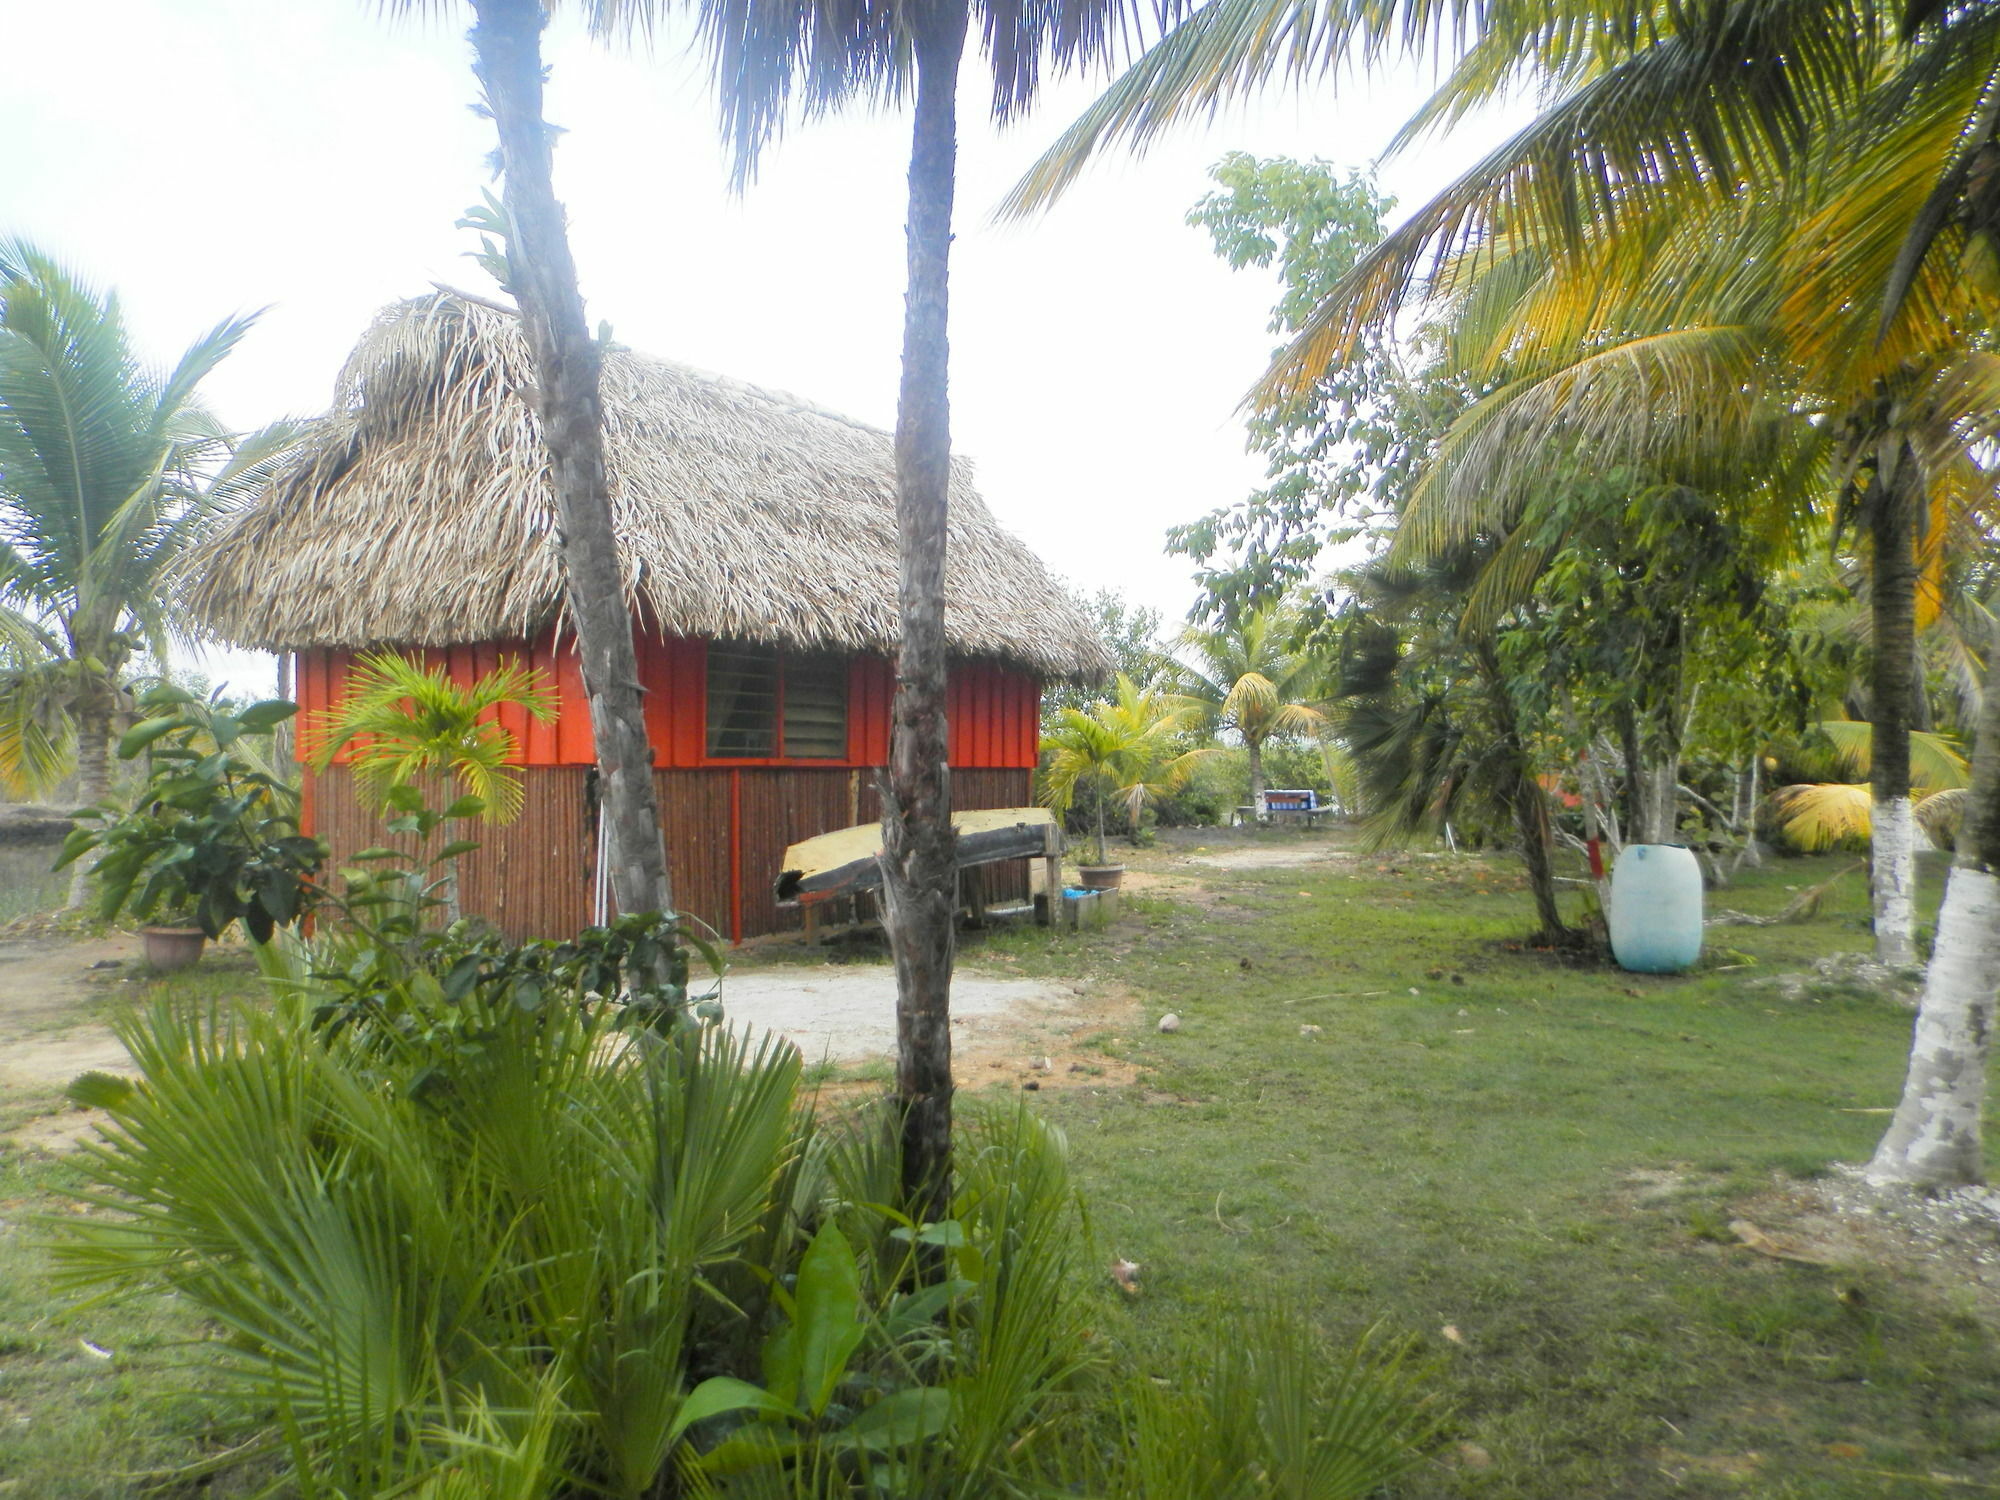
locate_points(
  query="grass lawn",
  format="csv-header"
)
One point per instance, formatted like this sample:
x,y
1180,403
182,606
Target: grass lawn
x,y
1543,1160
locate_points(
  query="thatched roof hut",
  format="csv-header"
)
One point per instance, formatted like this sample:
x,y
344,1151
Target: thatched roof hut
x,y
760,548
419,512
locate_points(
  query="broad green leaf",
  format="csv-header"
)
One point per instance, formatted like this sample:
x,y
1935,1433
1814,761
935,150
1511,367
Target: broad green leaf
x,y
259,718
140,735
809,1355
902,1419
722,1394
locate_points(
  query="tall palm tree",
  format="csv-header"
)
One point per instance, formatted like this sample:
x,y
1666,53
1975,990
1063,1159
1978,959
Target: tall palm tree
x,y
813,58
1250,679
541,274
106,468
1689,105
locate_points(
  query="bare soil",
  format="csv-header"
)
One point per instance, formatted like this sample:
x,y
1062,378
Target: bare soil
x,y
1004,1029
51,994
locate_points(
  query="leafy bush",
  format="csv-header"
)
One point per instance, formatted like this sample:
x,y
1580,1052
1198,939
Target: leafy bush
x,y
212,836
527,1255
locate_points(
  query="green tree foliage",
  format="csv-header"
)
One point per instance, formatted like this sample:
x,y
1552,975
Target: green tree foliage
x,y
1340,449
106,469
1132,633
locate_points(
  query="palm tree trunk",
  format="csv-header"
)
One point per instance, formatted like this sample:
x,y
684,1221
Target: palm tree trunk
x,y
1893,601
1934,1139
93,784
919,858
1256,749
507,44
1524,796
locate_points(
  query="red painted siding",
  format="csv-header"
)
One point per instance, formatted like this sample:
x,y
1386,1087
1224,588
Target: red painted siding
x,y
993,708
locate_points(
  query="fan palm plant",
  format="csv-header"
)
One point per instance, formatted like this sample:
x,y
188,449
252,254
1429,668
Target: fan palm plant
x,y
106,468
1123,749
1251,680
398,720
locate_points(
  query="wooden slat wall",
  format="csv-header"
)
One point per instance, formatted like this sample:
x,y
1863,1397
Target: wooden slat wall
x,y
694,806
530,878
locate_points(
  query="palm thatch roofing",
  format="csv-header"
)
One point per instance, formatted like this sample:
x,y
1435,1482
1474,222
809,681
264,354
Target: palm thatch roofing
x,y
419,512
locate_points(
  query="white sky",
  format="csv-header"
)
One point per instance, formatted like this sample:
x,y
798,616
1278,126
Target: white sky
x,y
208,156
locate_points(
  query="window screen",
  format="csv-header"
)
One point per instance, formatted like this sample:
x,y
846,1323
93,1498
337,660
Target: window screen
x,y
742,702
815,707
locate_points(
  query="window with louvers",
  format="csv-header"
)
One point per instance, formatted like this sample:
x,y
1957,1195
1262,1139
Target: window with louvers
x,y
765,704
815,725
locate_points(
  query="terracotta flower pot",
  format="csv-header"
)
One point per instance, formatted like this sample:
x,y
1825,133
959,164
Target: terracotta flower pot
x,y
1100,877
171,948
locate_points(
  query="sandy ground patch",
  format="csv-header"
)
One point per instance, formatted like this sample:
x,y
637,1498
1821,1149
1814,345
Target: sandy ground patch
x,y
47,1035
1272,857
1004,1029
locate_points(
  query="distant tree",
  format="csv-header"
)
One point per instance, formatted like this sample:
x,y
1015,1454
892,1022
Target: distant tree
x,y
106,468
1250,678
1132,632
1341,449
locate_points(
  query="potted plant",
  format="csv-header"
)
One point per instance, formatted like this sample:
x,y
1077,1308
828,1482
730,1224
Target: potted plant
x,y
1123,749
173,940
212,836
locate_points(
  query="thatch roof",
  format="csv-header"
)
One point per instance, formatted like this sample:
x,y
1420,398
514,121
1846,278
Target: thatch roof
x,y
419,512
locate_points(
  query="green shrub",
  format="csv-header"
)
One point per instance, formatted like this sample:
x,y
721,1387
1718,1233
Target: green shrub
x,y
523,1253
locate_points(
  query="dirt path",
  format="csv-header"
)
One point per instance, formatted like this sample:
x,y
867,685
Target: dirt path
x,y
49,988
50,1031
1004,1029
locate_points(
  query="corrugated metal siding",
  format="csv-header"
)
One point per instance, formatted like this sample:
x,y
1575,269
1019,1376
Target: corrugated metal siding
x,y
994,711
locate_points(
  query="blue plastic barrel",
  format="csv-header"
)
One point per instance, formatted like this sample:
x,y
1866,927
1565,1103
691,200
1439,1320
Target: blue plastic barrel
x,y
1656,909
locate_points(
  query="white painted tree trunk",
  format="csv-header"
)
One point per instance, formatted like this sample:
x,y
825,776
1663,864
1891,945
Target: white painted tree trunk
x,y
1893,880
1934,1139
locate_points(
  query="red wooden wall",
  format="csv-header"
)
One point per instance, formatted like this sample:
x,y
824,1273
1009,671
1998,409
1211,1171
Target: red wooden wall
x,y
728,822
994,709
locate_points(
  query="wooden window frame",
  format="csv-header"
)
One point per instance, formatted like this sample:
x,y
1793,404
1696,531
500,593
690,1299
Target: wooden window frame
x,y
781,661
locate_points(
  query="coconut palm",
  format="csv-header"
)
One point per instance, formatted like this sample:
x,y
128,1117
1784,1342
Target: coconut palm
x,y
813,59
1251,680
106,468
541,275
1688,106
1123,749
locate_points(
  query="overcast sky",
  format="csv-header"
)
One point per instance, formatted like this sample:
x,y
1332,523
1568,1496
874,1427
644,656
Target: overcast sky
x,y
208,156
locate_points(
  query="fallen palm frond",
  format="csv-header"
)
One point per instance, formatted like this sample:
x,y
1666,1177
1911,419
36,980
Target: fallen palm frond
x,y
419,511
